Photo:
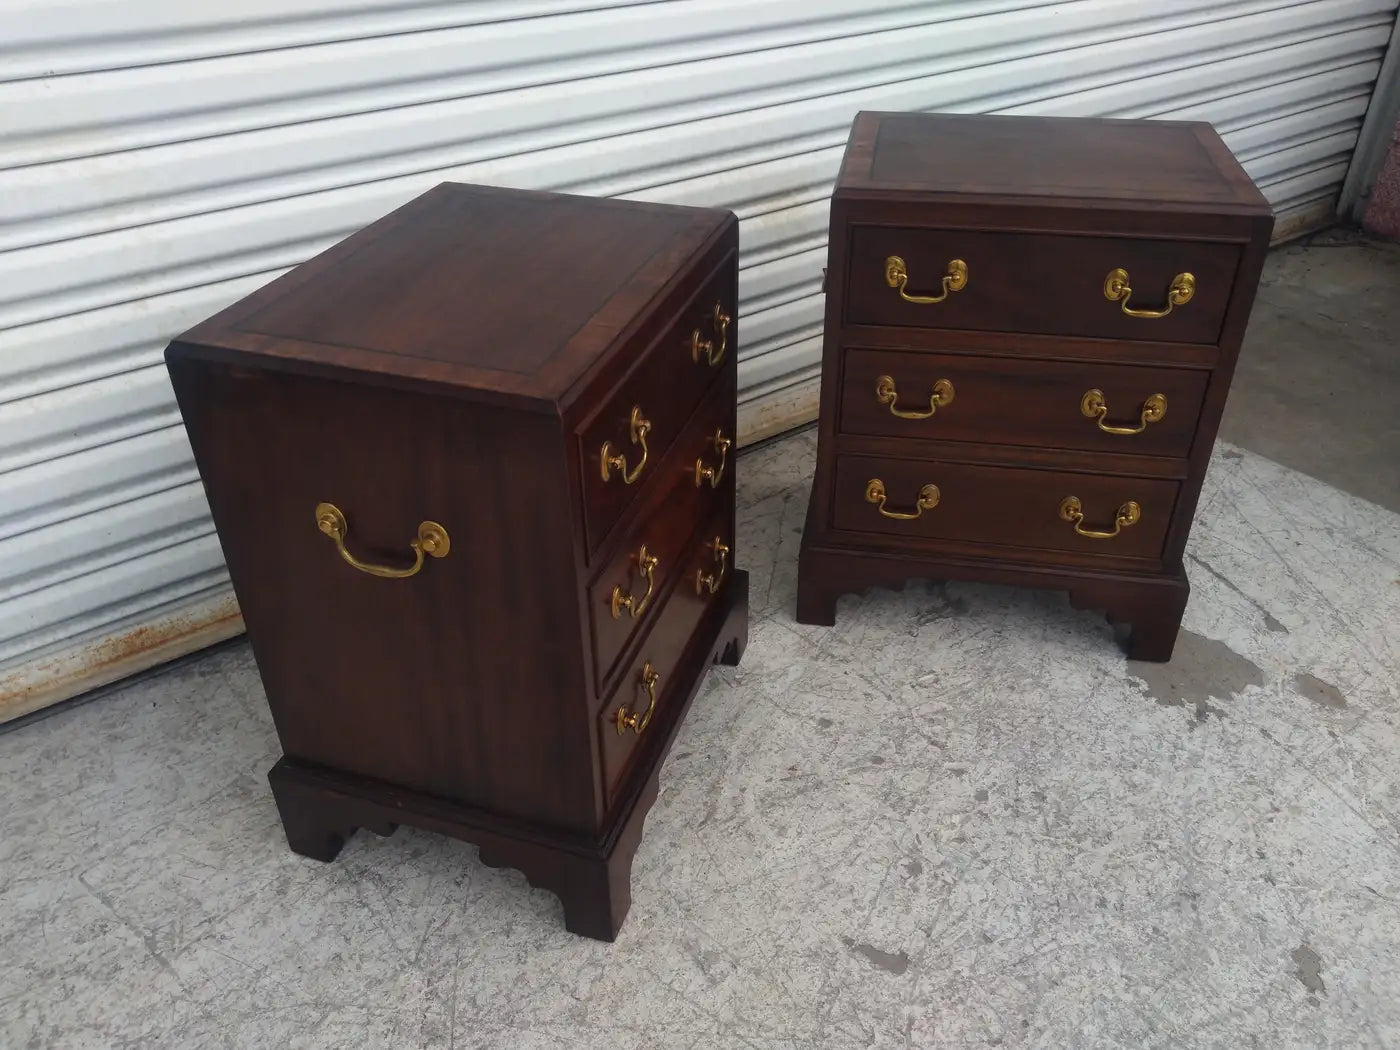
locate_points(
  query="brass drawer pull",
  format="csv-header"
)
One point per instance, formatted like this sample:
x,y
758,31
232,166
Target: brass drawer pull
x,y
886,394
1094,407
639,428
646,569
928,499
713,474
703,580
897,276
720,321
647,678
1117,289
432,540
1072,510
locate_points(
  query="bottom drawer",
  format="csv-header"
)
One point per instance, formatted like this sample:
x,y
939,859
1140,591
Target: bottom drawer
x,y
1006,506
640,705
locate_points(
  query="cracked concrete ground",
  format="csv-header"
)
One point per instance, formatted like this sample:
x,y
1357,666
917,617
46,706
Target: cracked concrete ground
x,y
958,818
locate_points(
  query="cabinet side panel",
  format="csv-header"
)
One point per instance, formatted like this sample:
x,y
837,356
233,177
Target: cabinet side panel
x,y
458,681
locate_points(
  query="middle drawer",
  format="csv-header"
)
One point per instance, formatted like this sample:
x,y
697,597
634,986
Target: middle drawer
x,y
1047,404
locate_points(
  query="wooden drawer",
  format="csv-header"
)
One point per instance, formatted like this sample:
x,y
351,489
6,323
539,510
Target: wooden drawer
x,y
630,713
1043,283
623,444
1045,404
1003,506
685,497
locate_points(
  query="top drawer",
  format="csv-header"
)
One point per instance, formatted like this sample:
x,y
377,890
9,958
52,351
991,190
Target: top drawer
x,y
1055,284
624,442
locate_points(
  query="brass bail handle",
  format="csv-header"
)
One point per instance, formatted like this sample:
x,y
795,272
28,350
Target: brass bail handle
x,y
1072,510
712,475
887,394
719,320
1093,406
709,582
1117,288
897,277
647,678
928,499
432,540
638,427
646,569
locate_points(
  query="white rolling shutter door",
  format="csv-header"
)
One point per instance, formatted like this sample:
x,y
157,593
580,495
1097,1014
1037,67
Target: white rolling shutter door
x,y
160,159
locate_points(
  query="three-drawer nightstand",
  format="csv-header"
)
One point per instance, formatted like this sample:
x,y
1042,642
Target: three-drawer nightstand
x,y
473,473
1031,327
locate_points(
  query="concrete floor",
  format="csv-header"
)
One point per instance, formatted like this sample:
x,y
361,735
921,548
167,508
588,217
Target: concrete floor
x,y
1318,377
957,819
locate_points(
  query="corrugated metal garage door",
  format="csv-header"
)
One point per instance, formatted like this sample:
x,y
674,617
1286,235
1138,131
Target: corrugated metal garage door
x,y
161,158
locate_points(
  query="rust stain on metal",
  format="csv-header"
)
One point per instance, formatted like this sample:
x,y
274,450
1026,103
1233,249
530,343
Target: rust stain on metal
x,y
144,639
83,667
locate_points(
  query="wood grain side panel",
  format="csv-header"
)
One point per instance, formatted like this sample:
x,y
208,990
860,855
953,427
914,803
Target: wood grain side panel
x,y
425,682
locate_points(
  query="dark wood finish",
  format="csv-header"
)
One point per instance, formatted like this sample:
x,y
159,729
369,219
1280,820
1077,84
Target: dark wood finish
x,y
1035,404
665,386
682,609
383,297
665,528
1159,163
992,454
449,364
1039,283
363,674
1003,507
543,274
591,875
1149,606
1038,346
1040,209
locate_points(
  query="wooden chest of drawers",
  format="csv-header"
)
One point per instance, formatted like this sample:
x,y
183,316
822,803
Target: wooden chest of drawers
x,y
1031,326
473,474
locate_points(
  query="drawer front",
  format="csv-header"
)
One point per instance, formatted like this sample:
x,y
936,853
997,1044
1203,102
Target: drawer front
x,y
1004,506
623,445
696,479
1045,404
638,708
1042,283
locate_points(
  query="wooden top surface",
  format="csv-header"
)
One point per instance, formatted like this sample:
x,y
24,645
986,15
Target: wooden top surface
x,y
1067,160
511,293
